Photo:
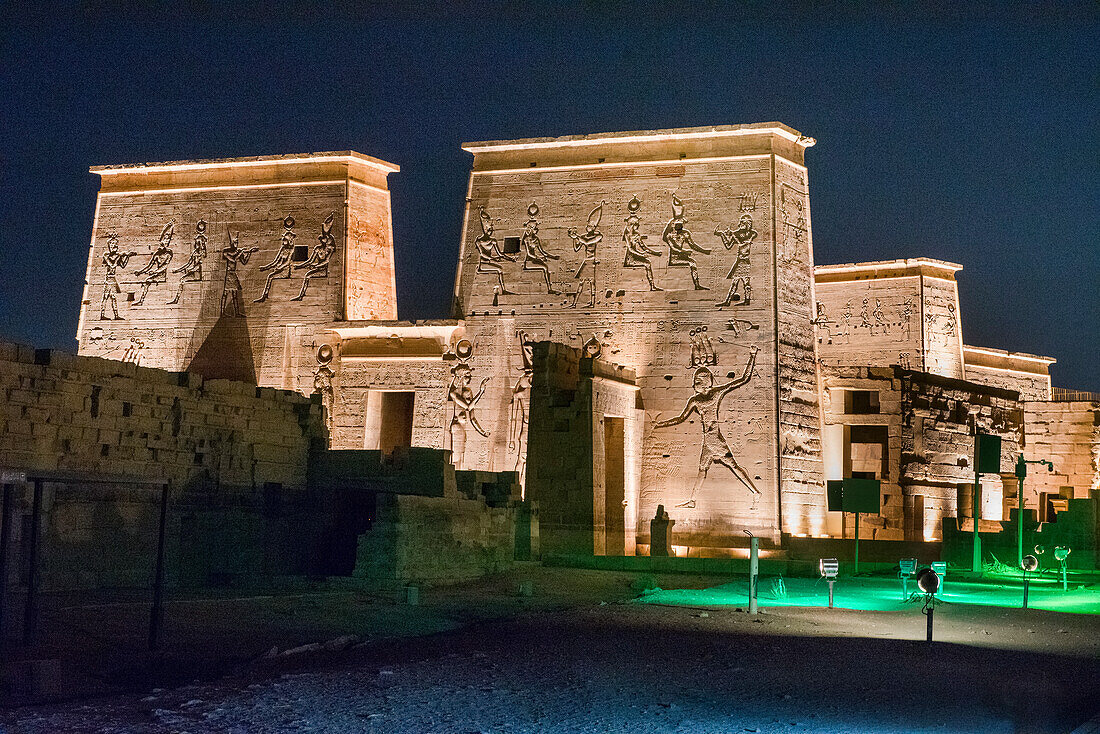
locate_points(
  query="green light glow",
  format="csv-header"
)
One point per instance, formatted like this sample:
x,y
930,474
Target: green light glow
x,y
872,594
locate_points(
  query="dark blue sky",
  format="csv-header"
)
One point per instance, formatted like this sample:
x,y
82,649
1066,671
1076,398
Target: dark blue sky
x,y
965,136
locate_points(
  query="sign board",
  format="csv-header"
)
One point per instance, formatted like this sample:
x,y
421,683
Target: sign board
x,y
908,566
940,567
988,453
853,495
9,476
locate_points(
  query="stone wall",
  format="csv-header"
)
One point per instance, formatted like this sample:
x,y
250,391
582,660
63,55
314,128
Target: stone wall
x,y
1068,434
582,466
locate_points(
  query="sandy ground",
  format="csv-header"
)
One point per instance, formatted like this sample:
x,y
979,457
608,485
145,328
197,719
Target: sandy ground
x,y
633,667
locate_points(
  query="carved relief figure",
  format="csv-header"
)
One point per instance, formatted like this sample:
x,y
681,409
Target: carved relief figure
x,y
949,327
880,318
637,252
113,261
591,237
156,270
322,380
847,316
463,399
517,411
534,256
231,284
680,244
316,266
192,269
706,403
743,237
906,313
702,351
280,266
488,254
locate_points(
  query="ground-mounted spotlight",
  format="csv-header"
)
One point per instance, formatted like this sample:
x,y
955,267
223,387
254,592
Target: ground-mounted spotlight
x,y
928,581
1030,564
940,567
829,568
906,568
1061,553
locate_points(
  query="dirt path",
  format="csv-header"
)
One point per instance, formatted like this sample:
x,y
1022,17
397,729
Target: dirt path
x,y
634,668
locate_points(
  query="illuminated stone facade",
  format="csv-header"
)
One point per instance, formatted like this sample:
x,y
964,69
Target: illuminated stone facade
x,y
655,291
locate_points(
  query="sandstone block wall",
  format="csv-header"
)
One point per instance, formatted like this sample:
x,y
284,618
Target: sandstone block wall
x,y
83,413
1067,434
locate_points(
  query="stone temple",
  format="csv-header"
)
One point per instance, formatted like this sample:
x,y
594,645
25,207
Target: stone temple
x,y
638,326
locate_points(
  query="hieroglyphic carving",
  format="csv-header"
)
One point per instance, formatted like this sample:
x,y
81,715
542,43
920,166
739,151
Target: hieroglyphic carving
x,y
949,326
156,270
747,202
488,253
316,265
702,351
706,402
280,265
133,351
113,261
739,327
192,269
743,237
637,252
231,284
680,244
463,400
880,319
907,309
322,379
535,257
517,412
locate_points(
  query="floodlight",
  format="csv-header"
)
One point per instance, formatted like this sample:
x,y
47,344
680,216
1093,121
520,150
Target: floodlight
x,y
1030,563
940,567
1040,550
1061,552
928,581
829,567
908,566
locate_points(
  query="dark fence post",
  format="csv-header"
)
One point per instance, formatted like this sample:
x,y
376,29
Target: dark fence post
x,y
156,615
30,611
5,553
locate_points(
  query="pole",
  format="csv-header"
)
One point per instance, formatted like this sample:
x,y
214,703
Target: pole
x,y
754,569
156,614
931,611
831,582
1065,586
1021,472
904,587
1025,589
5,552
30,610
857,544
976,563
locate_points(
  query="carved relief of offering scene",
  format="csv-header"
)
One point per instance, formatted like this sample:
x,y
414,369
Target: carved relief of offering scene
x,y
580,272
463,404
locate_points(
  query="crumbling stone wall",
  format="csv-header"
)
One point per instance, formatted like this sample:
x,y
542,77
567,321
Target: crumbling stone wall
x,y
1068,434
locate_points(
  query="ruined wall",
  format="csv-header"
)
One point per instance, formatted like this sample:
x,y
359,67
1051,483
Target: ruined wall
x,y
1030,386
235,269
582,478
80,413
670,268
940,417
1067,434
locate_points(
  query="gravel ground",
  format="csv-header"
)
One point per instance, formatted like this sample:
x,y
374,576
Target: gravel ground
x,y
638,668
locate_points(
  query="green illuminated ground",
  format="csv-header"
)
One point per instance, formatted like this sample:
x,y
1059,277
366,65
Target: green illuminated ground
x,y
885,594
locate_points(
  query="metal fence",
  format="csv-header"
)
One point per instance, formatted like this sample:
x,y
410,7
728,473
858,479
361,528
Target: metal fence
x,y
1062,395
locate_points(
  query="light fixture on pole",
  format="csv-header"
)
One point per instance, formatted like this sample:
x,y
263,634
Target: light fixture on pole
x,y
1021,473
829,568
1061,553
1030,564
928,581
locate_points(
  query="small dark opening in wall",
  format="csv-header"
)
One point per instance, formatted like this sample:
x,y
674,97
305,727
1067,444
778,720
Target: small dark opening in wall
x,y
300,254
127,409
511,245
104,450
861,402
96,389
533,164
600,160
129,296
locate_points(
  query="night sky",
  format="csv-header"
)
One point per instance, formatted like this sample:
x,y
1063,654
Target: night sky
x,y
941,133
